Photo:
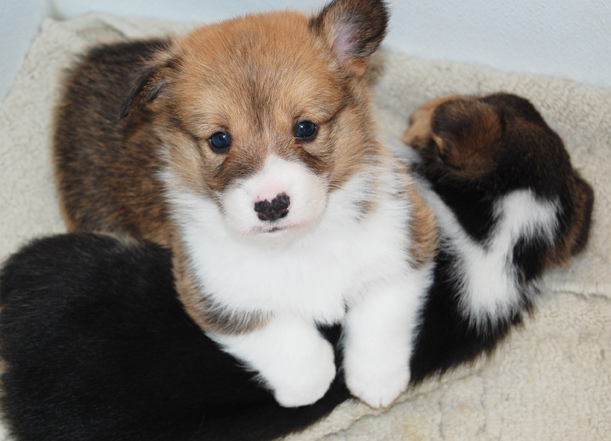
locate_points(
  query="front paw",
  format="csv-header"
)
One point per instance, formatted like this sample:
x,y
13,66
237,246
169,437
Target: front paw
x,y
291,357
376,383
305,378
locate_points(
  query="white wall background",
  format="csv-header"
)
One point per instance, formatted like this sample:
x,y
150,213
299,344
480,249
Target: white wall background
x,y
560,38
19,21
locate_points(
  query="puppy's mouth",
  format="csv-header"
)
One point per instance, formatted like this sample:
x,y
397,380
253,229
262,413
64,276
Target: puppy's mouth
x,y
275,228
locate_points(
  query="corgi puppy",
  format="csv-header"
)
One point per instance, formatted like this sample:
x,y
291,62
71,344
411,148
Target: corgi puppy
x,y
508,206
249,148
96,346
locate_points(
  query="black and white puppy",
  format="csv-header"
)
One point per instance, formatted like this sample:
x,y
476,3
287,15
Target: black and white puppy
x,y
508,205
96,346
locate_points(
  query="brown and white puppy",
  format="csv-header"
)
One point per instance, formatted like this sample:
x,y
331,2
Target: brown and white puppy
x,y
249,148
508,204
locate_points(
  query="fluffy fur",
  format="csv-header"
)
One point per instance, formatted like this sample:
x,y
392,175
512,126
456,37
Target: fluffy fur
x,y
96,346
508,205
249,148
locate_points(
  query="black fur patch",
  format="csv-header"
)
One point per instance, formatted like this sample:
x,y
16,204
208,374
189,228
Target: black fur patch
x,y
445,337
473,208
98,347
529,256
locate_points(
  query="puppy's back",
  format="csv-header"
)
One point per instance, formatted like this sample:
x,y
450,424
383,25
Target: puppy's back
x,y
99,157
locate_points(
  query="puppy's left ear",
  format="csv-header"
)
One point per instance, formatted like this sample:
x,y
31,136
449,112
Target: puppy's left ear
x,y
354,30
149,80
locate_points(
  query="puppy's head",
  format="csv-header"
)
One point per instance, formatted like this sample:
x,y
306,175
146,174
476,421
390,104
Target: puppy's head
x,y
498,143
267,114
456,136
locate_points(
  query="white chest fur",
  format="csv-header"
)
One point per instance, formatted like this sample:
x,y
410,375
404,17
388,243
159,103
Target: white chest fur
x,y
347,267
315,273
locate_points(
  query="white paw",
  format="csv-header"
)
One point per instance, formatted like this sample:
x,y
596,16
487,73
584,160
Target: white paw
x,y
291,357
378,331
375,383
306,379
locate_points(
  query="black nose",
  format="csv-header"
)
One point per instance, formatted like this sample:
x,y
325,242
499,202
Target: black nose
x,y
276,209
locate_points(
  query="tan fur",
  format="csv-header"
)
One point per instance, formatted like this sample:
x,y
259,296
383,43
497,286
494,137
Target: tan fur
x,y
299,83
575,240
422,230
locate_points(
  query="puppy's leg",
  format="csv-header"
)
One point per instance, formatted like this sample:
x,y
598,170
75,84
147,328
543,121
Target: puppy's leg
x,y
378,338
291,356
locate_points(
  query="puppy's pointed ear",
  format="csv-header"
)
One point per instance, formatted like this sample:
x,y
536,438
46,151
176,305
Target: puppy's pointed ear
x,y
447,150
354,30
149,80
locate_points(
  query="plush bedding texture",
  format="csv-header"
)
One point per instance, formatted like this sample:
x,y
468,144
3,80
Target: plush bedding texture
x,y
551,380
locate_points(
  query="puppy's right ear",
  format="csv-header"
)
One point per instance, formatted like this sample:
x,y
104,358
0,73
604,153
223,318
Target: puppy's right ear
x,y
149,80
354,30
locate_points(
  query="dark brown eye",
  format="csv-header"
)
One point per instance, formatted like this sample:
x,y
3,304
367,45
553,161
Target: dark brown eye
x,y
220,142
306,131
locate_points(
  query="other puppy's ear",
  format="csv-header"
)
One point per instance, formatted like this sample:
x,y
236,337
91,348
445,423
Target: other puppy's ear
x,y
418,133
149,80
354,29
466,132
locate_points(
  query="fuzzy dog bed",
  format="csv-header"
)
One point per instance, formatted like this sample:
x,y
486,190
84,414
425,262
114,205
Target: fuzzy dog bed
x,y
551,380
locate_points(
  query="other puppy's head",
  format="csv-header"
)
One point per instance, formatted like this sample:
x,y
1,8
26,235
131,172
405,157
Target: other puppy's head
x,y
456,135
267,114
498,143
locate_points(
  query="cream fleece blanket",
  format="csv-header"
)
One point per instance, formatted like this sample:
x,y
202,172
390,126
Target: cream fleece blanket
x,y
551,380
